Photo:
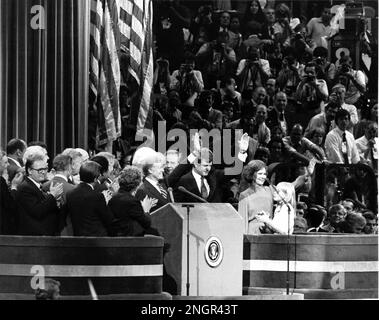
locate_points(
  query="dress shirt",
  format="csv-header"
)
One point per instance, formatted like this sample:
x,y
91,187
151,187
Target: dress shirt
x,y
333,147
198,181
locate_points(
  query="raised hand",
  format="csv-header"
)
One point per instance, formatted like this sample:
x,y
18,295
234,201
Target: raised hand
x,y
196,143
148,203
107,195
18,178
244,143
56,190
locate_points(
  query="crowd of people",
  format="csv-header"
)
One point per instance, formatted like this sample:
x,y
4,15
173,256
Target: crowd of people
x,y
261,71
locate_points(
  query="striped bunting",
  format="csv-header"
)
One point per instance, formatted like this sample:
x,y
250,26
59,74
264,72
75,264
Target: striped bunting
x,y
84,271
310,266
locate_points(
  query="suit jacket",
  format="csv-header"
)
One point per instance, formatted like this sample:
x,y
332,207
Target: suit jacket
x,y
8,209
89,213
131,219
215,180
12,169
67,231
57,179
147,189
39,213
273,120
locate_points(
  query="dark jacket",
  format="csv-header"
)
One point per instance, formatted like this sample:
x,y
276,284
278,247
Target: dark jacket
x,y
89,213
12,169
8,209
131,219
147,189
215,181
38,211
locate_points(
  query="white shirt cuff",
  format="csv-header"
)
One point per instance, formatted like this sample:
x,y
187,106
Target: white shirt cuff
x,y
242,156
191,158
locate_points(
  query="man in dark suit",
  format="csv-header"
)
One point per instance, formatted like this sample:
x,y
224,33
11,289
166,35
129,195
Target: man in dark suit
x,y
8,206
277,117
39,212
15,151
62,165
87,208
204,181
206,117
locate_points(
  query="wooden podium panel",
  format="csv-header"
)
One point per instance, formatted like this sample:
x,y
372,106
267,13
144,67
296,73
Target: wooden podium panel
x,y
215,247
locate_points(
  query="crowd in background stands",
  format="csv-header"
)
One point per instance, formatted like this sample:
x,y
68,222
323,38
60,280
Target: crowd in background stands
x,y
262,71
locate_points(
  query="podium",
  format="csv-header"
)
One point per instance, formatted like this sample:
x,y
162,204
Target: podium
x,y
215,247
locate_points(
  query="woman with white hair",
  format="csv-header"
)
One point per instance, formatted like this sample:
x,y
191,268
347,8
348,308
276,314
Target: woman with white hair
x,y
284,214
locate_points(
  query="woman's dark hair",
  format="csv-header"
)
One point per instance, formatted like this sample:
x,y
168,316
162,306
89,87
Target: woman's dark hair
x,y
259,16
130,178
251,169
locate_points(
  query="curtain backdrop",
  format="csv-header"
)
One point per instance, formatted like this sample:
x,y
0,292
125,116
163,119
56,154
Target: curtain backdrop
x,y
44,73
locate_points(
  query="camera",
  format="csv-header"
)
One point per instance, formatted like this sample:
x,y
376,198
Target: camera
x,y
345,68
186,67
319,60
298,36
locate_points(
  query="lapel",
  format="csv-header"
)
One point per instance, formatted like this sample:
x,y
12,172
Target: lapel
x,y
192,185
36,190
211,179
154,192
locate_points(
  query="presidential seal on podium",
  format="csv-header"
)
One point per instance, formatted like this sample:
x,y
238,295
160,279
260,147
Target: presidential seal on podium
x,y
213,252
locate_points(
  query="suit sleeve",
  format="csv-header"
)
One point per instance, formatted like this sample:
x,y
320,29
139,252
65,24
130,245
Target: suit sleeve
x,y
34,206
104,212
136,213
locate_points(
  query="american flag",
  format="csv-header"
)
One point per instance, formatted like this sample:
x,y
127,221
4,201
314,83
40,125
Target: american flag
x,y
116,23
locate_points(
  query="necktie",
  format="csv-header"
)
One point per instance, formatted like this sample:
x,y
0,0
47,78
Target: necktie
x,y
204,191
281,116
162,191
344,149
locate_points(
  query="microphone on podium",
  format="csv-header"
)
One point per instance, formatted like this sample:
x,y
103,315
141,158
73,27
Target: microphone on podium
x,y
182,189
170,193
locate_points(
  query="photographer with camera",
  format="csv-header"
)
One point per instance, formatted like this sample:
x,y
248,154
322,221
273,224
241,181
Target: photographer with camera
x,y
353,80
327,69
311,92
187,81
216,60
253,72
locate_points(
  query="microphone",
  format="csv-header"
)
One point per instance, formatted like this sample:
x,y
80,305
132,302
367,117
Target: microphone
x,y
169,189
182,189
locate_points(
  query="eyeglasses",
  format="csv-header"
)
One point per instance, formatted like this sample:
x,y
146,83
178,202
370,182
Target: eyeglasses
x,y
40,170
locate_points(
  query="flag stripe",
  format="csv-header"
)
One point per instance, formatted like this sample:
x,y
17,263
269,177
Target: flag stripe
x,y
116,22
